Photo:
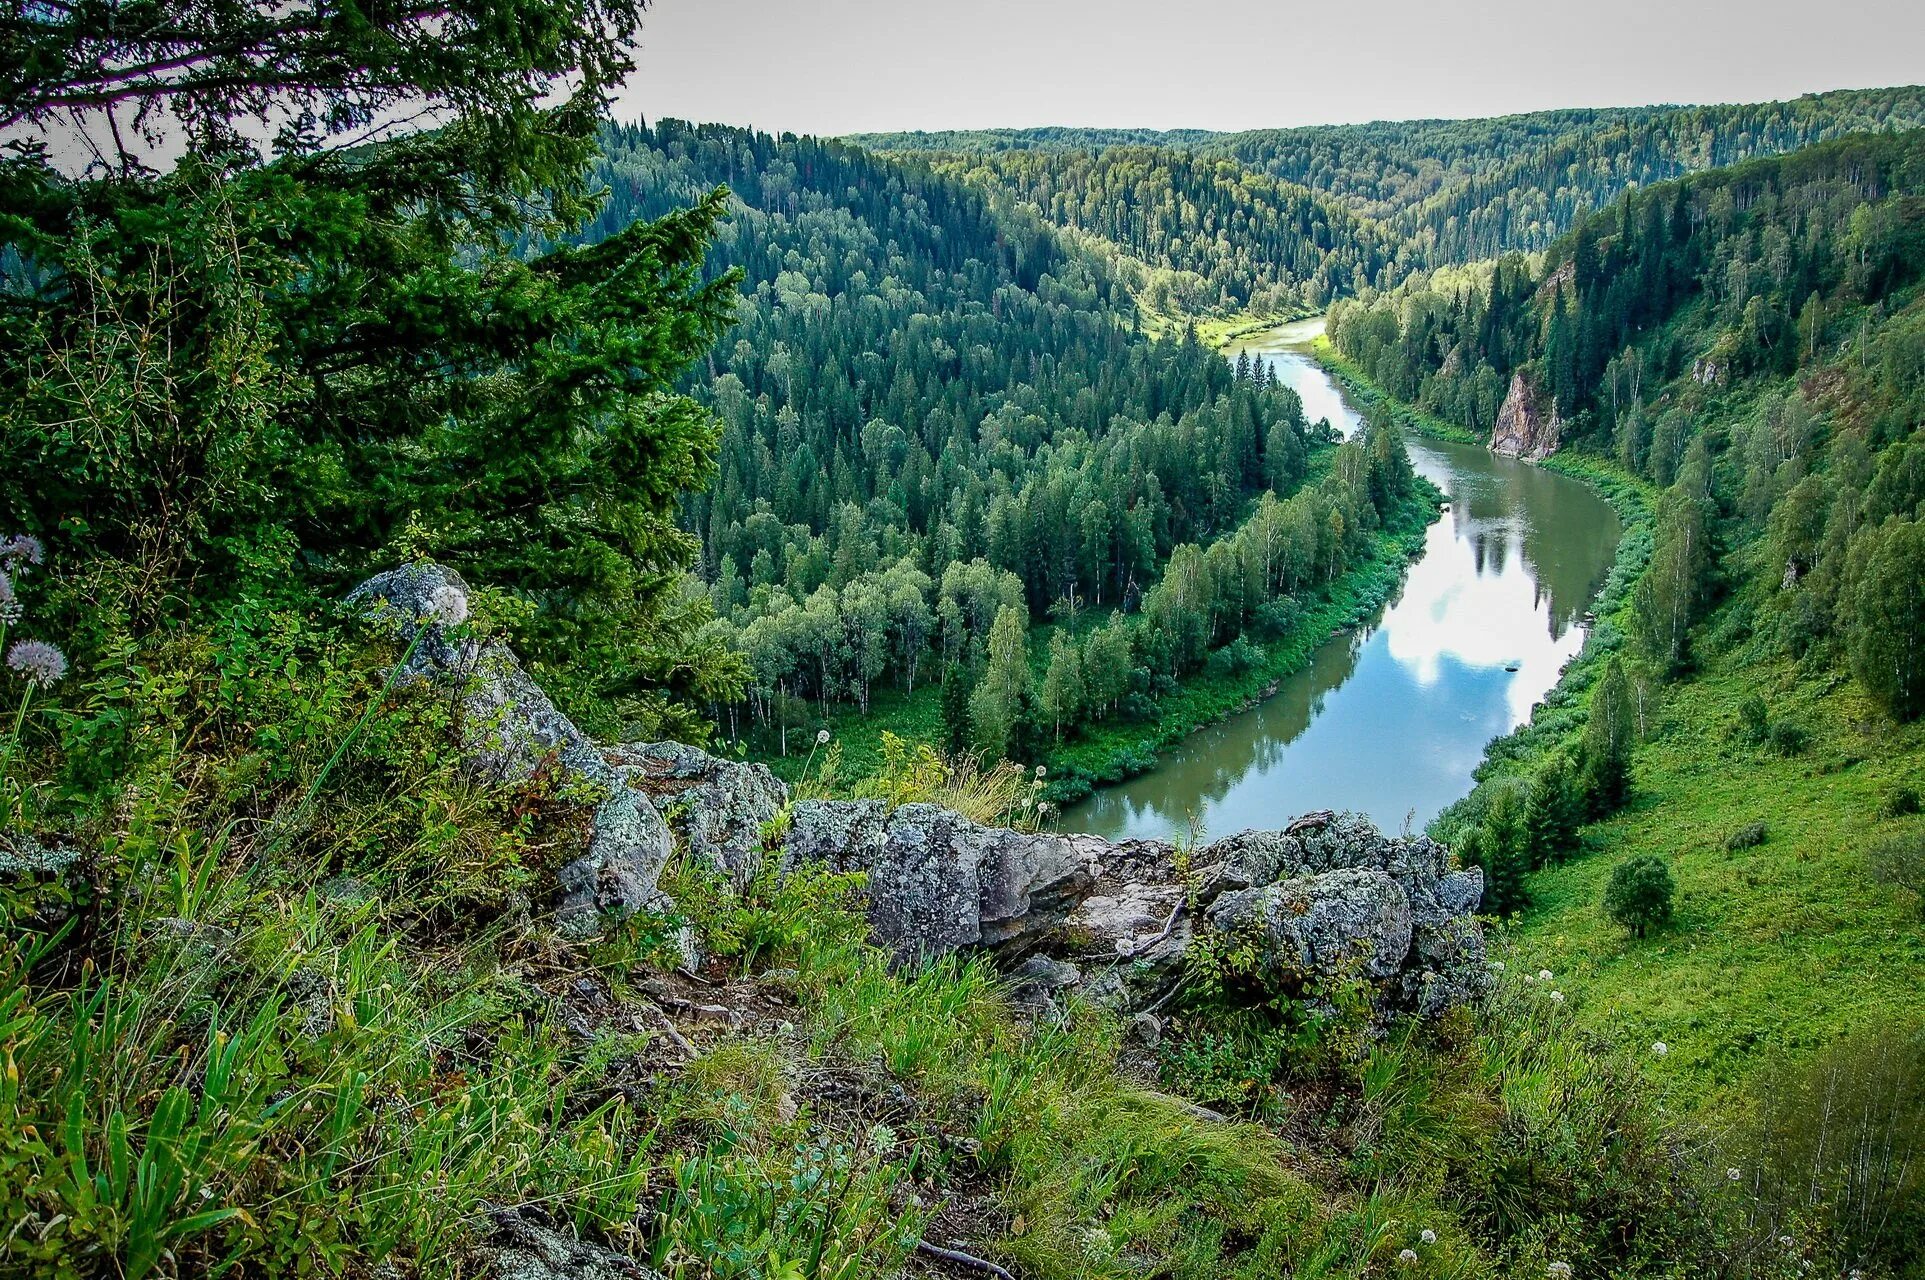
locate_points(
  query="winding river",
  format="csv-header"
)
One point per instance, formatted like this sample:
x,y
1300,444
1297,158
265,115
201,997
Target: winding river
x,y
1390,720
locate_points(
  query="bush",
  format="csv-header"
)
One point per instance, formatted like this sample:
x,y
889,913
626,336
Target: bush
x,y
1638,895
1746,837
1901,803
1900,861
1754,721
1788,738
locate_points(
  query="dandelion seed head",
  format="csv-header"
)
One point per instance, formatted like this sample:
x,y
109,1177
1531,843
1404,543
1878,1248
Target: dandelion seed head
x,y
1429,1236
448,605
1407,1257
1543,975
1041,773
37,662
821,737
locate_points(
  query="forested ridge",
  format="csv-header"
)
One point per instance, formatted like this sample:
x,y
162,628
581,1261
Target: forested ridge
x,y
939,424
1427,192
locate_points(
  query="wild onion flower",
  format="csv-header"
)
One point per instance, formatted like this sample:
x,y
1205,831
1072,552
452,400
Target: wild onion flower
x,y
1557,997
38,662
1429,1236
1660,1048
1733,1174
1407,1257
21,548
10,606
1543,975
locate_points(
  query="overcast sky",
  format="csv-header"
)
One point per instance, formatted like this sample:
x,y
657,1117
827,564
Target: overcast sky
x,y
842,66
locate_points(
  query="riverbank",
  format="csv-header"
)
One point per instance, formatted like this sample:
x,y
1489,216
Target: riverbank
x,y
1114,751
1371,397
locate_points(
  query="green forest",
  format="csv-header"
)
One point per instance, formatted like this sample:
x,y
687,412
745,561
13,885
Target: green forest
x,y
545,653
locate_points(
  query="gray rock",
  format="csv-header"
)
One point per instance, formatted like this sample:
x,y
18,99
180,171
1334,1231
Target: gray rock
x,y
521,1247
1045,973
510,730
937,881
628,846
720,808
1333,924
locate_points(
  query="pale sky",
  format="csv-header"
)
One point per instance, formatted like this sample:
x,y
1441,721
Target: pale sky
x,y
844,66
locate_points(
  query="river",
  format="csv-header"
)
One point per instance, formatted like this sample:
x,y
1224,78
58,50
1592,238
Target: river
x,y
1390,720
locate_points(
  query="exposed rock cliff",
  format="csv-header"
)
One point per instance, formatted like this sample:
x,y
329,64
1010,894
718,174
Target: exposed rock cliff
x,y
1527,423
1330,898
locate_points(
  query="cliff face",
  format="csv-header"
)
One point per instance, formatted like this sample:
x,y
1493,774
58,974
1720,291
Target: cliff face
x,y
1527,424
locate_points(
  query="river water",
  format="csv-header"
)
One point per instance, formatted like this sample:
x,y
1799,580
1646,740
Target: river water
x,y
1391,720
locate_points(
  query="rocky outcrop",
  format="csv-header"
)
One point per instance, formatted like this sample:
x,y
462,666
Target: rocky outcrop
x,y
1527,424
520,1245
510,729
1329,898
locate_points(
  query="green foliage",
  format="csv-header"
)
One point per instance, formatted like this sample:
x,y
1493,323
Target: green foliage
x,y
1638,895
1609,733
1749,836
1832,1152
1899,861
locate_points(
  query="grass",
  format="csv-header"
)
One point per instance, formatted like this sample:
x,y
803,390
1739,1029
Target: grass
x,y
1777,949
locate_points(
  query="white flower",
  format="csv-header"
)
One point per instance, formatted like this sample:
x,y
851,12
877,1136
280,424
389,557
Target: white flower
x,y
821,737
1529,978
1407,1257
1543,975
1497,966
1429,1236
1041,772
448,605
1660,1048
882,1139
1557,997
1786,1241
1559,1270
1733,1174
1045,808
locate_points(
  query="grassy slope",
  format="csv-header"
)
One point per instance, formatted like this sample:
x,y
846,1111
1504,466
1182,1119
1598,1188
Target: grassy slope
x,y
1779,948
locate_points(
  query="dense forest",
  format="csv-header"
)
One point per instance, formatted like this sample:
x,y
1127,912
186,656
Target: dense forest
x,y
938,424
1423,193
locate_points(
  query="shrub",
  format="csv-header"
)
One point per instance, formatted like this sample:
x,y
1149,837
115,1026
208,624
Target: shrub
x,y
1900,861
1754,721
1638,895
1902,802
1749,836
1788,738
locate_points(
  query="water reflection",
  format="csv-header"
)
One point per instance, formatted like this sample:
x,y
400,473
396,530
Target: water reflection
x,y
1392,721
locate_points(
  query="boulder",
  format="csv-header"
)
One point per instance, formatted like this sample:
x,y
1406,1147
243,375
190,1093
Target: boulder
x,y
938,882
1340,924
510,730
1527,424
722,809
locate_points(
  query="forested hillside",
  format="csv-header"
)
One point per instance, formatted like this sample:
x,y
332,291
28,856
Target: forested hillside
x,y
1427,192
938,426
